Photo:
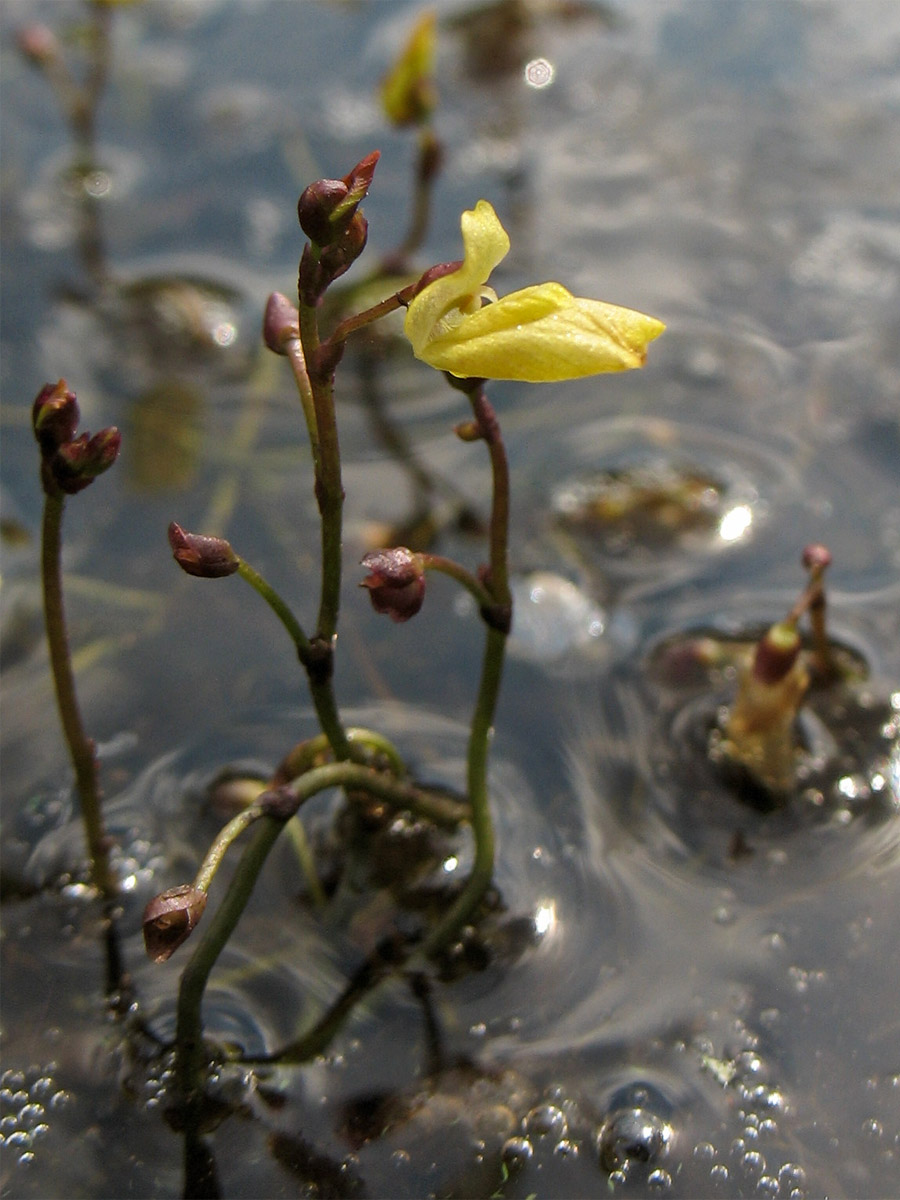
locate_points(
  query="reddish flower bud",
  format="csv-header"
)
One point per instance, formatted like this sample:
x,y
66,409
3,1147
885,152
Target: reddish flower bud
x,y
316,207
326,208
816,557
281,324
76,464
170,918
397,582
38,44
202,556
346,248
54,416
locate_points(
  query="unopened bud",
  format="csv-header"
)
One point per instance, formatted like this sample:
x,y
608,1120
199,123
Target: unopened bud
x,y
54,416
326,208
170,918
281,324
317,205
396,582
202,556
816,557
776,652
468,431
346,248
38,44
408,96
76,464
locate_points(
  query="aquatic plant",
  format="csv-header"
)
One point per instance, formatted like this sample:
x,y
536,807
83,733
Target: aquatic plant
x,y
597,338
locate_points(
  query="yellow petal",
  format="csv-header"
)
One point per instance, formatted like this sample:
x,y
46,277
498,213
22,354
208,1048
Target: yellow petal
x,y
539,334
440,305
544,334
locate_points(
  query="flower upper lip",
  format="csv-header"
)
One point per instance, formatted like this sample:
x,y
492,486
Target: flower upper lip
x,y
538,334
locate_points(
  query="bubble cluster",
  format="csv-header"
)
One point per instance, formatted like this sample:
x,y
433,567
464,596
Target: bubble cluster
x,y
27,1100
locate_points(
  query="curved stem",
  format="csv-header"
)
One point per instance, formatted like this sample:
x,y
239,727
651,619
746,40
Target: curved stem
x,y
263,588
482,825
489,689
359,320
447,566
81,748
353,777
190,1058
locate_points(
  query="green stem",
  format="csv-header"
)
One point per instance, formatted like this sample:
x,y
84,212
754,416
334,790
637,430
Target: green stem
x,y
190,1057
263,588
489,688
294,352
226,836
81,748
482,825
310,655
447,566
354,778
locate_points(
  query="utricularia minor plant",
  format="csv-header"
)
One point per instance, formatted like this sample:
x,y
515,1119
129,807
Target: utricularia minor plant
x,y
456,323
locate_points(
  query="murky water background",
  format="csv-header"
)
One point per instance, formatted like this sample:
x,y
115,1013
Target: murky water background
x,y
717,1023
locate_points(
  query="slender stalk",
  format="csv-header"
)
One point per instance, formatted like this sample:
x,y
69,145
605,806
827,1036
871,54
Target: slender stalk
x,y
190,1057
330,498
226,836
447,566
293,349
497,616
359,320
278,606
354,778
81,748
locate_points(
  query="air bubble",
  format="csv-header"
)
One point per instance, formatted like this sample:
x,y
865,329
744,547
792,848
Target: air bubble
x,y
516,1152
792,1175
753,1162
545,1120
637,1128
719,1173
872,1128
659,1181
767,1185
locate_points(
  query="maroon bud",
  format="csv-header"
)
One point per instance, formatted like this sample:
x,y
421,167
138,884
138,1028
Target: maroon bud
x,y
281,324
38,44
816,557
343,252
169,919
776,653
326,208
316,207
202,556
76,464
396,582
54,416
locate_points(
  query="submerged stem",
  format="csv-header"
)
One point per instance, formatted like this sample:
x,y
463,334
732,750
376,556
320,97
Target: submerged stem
x,y
81,748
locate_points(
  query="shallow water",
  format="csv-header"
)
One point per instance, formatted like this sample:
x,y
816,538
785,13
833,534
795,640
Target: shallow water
x,y
683,995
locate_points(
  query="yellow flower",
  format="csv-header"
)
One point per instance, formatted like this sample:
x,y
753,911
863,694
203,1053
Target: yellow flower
x,y
539,334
